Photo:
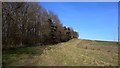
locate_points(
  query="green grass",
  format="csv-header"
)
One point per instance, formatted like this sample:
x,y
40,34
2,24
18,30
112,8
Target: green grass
x,y
72,53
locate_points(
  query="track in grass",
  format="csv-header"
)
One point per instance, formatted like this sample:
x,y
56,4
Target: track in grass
x,y
72,53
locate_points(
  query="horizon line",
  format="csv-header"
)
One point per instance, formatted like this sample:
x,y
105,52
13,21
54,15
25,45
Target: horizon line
x,y
99,40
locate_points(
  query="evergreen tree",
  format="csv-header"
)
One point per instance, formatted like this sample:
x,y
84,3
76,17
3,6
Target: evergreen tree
x,y
26,24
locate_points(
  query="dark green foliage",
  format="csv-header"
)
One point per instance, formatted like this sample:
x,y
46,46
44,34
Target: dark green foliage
x,y
26,23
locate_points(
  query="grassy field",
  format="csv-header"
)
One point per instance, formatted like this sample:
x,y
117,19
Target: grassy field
x,y
72,53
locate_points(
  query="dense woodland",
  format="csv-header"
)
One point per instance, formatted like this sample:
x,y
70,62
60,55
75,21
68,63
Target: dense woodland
x,y
28,24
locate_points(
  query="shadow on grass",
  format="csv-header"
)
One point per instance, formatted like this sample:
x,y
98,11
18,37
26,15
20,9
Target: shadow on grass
x,y
15,55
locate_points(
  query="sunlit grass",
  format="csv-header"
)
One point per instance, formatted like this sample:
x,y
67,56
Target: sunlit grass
x,y
72,53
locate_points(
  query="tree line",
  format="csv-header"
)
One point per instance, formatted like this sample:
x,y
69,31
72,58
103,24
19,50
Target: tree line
x,y
28,24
